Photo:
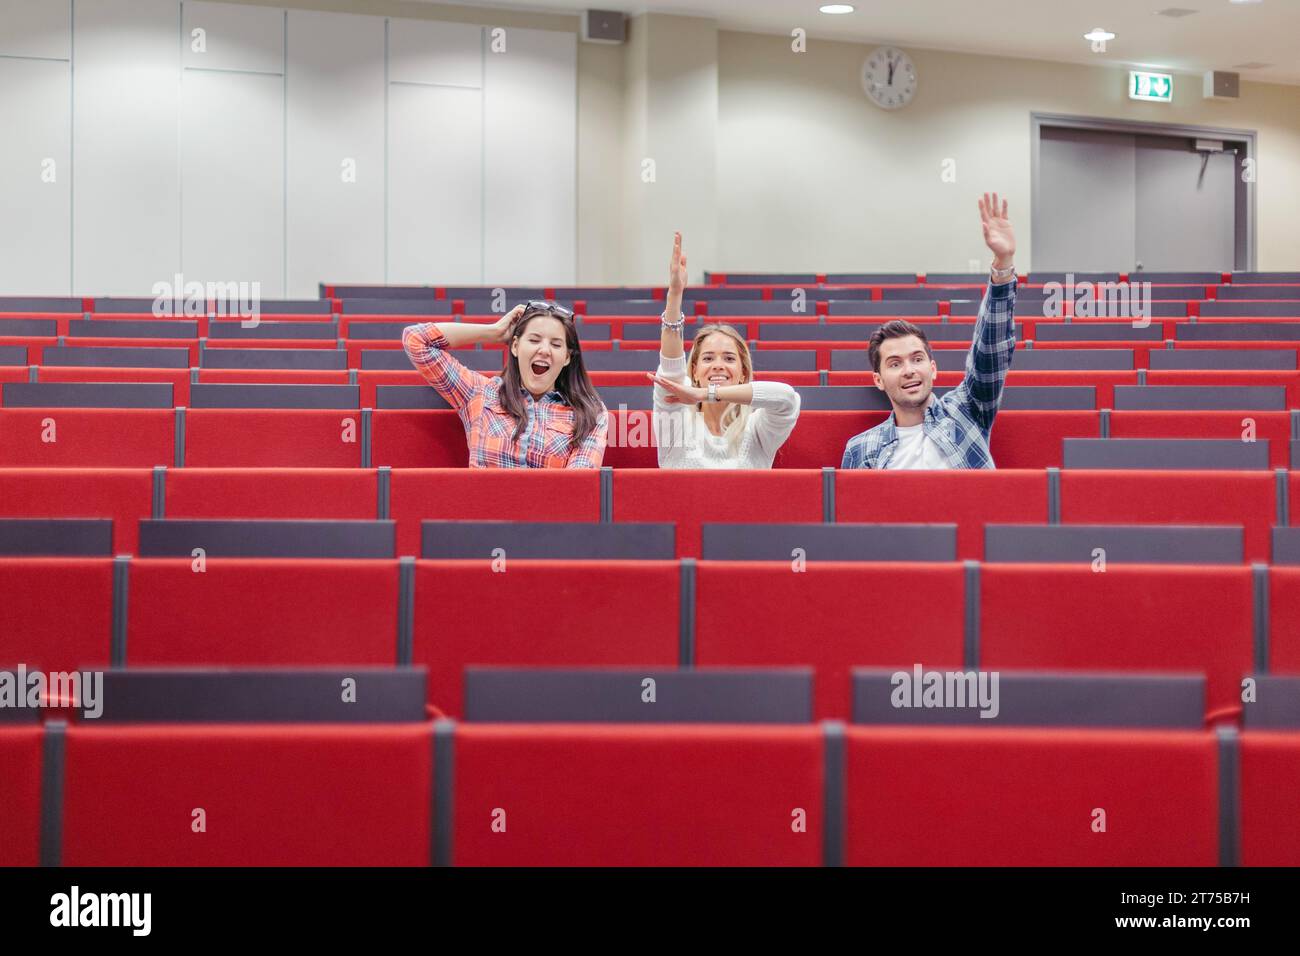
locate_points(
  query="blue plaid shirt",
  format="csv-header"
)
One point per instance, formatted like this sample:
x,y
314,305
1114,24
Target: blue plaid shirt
x,y
960,421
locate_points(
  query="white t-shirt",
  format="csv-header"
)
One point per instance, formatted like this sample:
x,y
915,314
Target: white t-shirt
x,y
915,450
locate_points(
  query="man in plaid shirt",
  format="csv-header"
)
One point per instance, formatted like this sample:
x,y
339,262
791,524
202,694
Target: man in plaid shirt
x,y
925,431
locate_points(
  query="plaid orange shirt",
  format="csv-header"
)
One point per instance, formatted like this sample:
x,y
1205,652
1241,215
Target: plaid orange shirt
x,y
547,438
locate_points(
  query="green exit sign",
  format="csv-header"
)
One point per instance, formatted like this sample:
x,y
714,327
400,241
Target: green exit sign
x,y
1156,87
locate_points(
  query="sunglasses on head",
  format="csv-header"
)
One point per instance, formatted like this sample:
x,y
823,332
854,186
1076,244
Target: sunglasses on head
x,y
535,306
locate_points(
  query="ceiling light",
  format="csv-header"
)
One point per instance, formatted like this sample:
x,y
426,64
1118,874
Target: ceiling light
x,y
836,8
1098,34
1240,2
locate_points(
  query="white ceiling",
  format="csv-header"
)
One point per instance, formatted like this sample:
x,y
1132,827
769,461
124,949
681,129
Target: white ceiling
x,y
1219,36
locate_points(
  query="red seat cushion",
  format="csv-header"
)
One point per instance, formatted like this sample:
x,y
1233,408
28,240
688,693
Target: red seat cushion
x,y
276,437
20,795
1133,617
87,437
56,614
970,498
986,797
833,616
262,612
273,795
692,498
675,795
123,494
1270,780
541,614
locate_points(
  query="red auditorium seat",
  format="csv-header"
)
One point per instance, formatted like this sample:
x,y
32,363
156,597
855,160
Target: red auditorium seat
x,y
418,439
123,494
178,377
1025,439
1273,427
273,437
272,795
996,797
692,497
972,499
599,795
370,380
819,438
13,373
1175,497
489,494
1284,620
243,611
1270,780
1172,618
271,493
20,794
541,613
87,437
631,439
832,617
56,613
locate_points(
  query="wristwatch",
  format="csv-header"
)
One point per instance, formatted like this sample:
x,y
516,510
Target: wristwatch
x,y
673,326
1000,275
713,391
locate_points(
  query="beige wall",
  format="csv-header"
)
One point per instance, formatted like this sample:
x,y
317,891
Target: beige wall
x,y
811,175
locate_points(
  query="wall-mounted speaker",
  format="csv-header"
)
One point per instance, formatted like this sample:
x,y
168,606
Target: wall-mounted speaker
x,y
1222,86
603,26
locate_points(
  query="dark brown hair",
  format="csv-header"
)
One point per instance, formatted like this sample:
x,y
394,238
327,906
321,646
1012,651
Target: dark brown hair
x,y
573,382
896,329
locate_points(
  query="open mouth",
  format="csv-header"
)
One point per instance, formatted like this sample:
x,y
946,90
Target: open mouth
x,y
719,379
540,368
912,388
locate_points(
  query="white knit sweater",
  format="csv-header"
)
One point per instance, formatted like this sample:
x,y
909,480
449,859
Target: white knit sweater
x,y
686,442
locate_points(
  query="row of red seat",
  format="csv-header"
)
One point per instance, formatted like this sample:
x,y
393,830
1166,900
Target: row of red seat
x,y
57,613
970,499
626,795
1102,380
279,438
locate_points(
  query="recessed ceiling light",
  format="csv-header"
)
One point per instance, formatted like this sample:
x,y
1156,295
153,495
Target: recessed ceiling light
x,y
836,8
1098,34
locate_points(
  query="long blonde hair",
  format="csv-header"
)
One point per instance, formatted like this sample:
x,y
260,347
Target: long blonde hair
x,y
735,417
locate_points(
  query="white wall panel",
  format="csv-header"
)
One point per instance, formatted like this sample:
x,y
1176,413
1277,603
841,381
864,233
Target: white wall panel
x,y
428,51
35,177
435,191
530,158
41,28
335,114
232,162
235,37
126,190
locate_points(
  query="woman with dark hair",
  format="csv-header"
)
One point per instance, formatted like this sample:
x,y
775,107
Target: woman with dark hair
x,y
541,412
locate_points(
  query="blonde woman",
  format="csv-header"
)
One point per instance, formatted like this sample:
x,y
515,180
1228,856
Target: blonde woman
x,y
708,410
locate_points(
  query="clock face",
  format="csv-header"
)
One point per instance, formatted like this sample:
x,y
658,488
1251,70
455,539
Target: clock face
x,y
889,78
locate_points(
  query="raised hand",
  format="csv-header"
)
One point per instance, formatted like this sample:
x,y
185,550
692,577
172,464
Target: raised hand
x,y
998,234
677,267
503,326
679,393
